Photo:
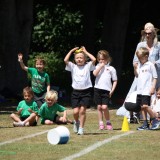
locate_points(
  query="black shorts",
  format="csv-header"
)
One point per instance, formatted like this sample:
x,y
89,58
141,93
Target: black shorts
x,y
132,107
81,98
143,100
101,97
39,98
23,118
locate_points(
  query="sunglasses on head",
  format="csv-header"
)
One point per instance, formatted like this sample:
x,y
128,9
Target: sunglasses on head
x,y
148,33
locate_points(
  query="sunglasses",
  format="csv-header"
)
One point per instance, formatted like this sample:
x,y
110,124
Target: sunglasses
x,y
148,33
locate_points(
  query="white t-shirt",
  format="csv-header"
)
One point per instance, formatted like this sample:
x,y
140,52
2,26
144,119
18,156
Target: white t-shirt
x,y
146,73
80,75
105,77
155,105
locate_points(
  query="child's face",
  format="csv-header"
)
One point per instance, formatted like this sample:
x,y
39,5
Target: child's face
x,y
158,94
28,97
143,59
102,60
50,102
80,59
39,66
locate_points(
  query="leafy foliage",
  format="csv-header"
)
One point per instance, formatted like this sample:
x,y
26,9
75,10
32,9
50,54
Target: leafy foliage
x,y
56,29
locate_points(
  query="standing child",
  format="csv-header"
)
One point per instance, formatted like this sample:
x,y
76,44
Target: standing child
x,y
48,110
40,81
26,111
146,74
81,84
103,89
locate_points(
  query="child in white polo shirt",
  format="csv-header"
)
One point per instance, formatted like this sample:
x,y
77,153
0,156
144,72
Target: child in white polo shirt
x,y
81,84
105,84
146,74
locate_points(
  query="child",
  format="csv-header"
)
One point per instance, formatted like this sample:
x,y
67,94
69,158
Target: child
x,y
81,84
26,111
48,110
40,81
103,89
155,105
146,74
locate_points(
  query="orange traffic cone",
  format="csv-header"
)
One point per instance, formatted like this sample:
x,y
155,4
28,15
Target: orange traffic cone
x,y
125,125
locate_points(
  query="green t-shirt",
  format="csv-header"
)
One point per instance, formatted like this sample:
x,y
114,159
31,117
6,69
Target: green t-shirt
x,y
39,81
25,105
49,113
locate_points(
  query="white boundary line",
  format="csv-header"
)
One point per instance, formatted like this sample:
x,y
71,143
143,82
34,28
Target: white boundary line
x,y
21,138
96,145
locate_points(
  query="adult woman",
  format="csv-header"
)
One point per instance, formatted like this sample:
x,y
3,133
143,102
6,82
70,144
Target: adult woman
x,y
149,40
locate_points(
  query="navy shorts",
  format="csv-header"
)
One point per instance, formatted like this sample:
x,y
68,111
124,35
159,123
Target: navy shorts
x,y
101,97
143,100
81,98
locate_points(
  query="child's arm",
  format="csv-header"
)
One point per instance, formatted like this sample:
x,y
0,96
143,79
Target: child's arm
x,y
93,59
97,70
48,87
66,59
152,91
64,118
135,65
113,88
20,59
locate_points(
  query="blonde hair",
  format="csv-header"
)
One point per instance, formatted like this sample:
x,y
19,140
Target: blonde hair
x,y
150,26
105,55
142,52
52,95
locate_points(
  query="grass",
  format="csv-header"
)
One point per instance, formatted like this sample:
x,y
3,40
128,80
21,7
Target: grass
x,y
137,146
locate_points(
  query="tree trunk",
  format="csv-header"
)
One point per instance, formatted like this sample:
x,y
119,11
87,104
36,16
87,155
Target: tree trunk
x,y
116,19
16,18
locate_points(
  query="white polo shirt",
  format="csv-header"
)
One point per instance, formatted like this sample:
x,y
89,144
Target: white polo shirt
x,y
80,75
146,73
104,78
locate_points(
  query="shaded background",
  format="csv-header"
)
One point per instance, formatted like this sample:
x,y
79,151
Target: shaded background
x,y
122,22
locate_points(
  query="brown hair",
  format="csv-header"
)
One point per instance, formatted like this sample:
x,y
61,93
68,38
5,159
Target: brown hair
x,y
105,55
40,59
28,90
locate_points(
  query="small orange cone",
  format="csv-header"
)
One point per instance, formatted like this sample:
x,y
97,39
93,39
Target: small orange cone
x,y
125,125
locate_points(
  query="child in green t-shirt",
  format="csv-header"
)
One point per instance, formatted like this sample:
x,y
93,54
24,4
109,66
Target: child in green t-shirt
x,y
27,110
40,81
48,110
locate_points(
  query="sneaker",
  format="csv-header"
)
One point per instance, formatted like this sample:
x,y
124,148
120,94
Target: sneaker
x,y
76,126
155,124
80,131
136,119
143,127
18,124
131,120
109,126
101,126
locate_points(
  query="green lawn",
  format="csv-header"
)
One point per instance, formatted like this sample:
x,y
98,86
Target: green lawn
x,y
138,145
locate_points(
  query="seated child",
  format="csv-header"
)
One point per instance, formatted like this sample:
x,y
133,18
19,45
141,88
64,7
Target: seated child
x,y
48,110
27,110
155,105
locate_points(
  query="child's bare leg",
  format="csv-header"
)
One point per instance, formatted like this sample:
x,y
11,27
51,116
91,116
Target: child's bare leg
x,y
82,115
15,117
31,119
106,112
76,114
48,122
100,113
